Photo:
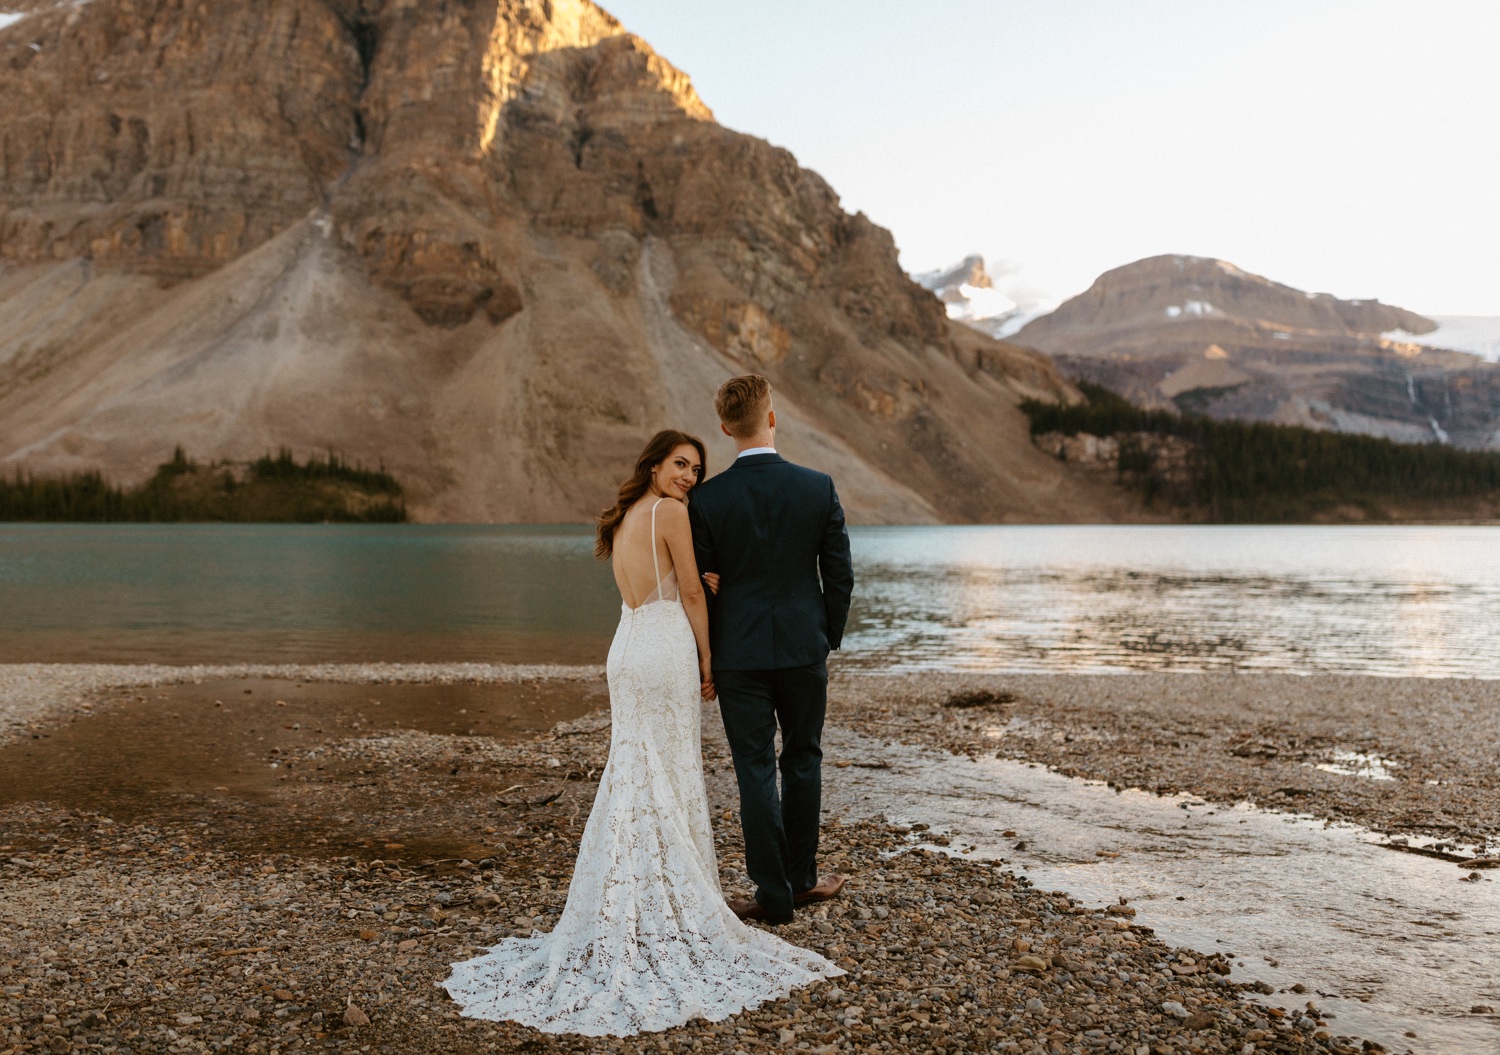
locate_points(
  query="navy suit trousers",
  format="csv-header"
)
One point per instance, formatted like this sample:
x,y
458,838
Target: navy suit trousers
x,y
781,831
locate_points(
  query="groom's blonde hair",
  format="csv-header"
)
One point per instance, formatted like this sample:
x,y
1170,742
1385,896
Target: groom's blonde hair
x,y
743,403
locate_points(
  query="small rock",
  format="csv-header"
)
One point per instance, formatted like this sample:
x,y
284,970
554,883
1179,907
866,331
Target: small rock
x,y
1201,1020
1172,1007
1035,1005
1481,1009
353,1016
284,995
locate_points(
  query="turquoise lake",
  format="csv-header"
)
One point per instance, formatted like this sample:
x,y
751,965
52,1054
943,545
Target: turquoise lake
x,y
1361,600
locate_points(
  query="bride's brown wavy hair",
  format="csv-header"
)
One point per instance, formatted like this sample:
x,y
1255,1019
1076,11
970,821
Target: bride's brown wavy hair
x,y
658,448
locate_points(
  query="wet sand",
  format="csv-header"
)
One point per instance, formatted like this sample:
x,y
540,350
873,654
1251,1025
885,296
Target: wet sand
x,y
251,758
191,867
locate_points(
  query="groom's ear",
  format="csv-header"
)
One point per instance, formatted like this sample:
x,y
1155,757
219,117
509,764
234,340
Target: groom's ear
x,y
772,420
725,430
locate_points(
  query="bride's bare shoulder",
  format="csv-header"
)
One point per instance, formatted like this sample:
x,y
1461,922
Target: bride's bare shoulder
x,y
670,509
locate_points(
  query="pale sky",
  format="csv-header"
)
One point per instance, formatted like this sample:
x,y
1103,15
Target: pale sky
x,y
1346,146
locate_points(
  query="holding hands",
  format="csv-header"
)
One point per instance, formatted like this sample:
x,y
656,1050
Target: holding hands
x,y
705,665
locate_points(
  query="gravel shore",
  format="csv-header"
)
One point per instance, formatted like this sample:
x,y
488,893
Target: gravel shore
x,y
315,903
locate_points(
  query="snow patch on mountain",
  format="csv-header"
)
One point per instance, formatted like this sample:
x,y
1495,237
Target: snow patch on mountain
x,y
1476,334
997,303
1199,308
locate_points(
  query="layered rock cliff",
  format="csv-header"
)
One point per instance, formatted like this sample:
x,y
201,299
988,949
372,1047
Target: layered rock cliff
x,y
492,244
1205,336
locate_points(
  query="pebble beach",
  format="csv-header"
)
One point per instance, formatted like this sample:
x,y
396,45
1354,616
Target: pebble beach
x,y
360,827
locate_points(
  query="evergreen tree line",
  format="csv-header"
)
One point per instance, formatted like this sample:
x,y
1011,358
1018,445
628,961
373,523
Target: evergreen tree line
x,y
276,488
330,467
1255,472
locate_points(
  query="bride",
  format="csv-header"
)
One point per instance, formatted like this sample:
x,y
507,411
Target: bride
x,y
646,940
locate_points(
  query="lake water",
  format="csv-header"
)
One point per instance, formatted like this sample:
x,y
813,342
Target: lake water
x,y
1366,600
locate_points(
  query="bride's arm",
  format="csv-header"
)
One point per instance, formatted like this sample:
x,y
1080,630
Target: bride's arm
x,y
678,535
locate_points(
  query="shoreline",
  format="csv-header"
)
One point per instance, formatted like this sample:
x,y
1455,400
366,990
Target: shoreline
x,y
1406,757
357,863
1419,765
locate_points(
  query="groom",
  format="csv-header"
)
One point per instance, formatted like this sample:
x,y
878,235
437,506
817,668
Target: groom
x,y
774,533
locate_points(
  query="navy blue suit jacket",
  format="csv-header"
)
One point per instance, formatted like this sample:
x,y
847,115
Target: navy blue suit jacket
x,y
775,533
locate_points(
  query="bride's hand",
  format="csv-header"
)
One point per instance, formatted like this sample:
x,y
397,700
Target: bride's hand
x,y
706,678
711,580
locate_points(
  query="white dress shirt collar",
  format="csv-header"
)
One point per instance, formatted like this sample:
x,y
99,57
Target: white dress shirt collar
x,y
754,450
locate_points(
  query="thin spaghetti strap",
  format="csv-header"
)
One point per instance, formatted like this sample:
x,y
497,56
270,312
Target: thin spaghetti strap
x,y
655,560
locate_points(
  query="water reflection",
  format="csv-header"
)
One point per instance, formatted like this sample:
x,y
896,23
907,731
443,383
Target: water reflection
x,y
1391,943
1394,601
1391,601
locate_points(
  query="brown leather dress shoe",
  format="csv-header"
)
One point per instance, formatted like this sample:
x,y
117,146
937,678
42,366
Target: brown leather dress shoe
x,y
754,910
828,886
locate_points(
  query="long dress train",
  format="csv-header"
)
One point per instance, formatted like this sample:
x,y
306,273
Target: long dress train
x,y
646,940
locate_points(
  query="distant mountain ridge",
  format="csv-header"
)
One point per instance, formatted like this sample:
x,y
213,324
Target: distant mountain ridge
x,y
971,295
1175,289
1206,336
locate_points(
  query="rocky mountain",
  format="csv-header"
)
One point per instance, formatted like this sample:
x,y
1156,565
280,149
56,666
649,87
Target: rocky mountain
x,y
971,295
1205,336
491,244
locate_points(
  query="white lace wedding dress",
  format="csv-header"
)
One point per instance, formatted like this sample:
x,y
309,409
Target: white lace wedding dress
x,y
646,940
